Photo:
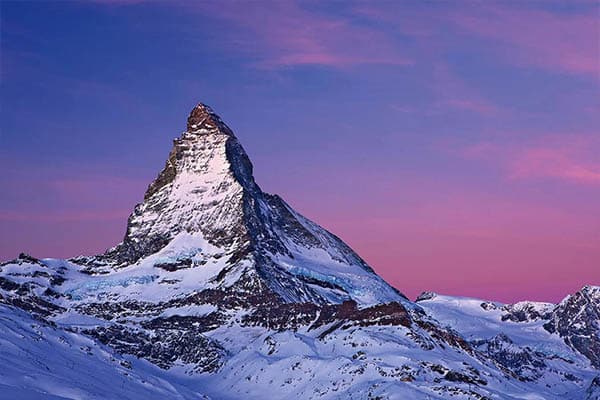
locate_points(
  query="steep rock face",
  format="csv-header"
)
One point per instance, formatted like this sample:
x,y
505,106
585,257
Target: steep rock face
x,y
577,320
202,188
526,311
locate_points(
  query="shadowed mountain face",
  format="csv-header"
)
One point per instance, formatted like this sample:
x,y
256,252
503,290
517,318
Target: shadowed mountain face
x,y
217,280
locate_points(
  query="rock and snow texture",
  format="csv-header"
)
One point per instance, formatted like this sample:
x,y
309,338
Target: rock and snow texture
x,y
41,361
521,339
222,291
577,321
207,190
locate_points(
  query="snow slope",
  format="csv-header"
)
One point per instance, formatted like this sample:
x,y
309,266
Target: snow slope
x,y
517,337
40,361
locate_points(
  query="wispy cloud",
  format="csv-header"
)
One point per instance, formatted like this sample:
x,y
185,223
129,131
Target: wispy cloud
x,y
561,42
571,158
522,34
450,94
554,163
284,34
293,33
476,105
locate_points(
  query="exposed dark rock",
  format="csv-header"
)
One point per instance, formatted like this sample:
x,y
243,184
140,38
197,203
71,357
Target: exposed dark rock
x,y
174,266
576,320
593,391
446,335
526,311
488,305
455,376
197,323
425,296
164,347
524,362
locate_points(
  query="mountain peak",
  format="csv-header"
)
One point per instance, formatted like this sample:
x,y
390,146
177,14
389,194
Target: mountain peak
x,y
206,196
203,118
200,190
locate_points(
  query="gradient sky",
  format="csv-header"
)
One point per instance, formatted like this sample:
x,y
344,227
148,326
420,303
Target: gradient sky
x,y
454,145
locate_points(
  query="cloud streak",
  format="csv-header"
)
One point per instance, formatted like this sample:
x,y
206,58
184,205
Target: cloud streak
x,y
518,34
566,43
554,163
285,34
574,159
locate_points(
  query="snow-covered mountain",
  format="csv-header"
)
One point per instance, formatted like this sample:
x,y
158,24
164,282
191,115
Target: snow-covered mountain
x,y
522,339
205,206
222,291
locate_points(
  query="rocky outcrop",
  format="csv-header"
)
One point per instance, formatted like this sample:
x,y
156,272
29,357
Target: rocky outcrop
x,y
527,311
526,363
577,320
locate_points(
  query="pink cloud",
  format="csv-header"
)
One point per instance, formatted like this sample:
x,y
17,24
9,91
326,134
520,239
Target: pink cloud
x,y
444,104
451,94
566,42
558,163
454,93
285,34
476,105
406,20
523,33
571,158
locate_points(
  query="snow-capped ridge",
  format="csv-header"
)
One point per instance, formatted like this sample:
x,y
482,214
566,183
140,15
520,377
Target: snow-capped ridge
x,y
577,320
587,291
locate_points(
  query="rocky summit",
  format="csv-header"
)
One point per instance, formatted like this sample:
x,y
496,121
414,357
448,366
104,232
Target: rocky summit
x,y
222,291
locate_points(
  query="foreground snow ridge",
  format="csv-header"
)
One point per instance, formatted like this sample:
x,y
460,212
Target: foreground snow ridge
x,y
221,291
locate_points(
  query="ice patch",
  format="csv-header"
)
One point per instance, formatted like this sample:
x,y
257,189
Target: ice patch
x,y
332,279
194,311
81,291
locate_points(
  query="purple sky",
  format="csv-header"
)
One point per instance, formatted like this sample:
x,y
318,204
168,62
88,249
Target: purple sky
x,y
454,145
